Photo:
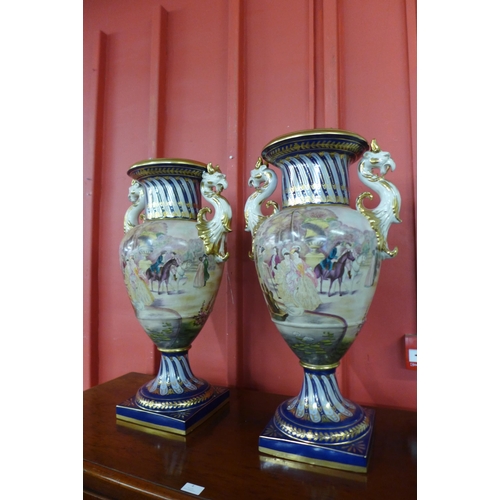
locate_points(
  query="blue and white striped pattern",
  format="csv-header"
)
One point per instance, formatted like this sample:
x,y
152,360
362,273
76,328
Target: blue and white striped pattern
x,y
320,398
315,178
174,376
171,197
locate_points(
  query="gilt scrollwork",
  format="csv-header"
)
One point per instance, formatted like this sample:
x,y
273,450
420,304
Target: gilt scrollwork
x,y
387,212
213,232
134,213
264,181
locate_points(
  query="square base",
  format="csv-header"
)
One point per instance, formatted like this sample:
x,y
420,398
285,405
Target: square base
x,y
177,422
351,456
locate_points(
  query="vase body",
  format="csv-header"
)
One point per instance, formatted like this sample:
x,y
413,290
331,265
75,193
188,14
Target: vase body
x,y
318,270
318,263
172,266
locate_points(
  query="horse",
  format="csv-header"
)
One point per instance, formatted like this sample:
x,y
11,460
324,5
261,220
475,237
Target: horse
x,y
335,273
162,276
167,271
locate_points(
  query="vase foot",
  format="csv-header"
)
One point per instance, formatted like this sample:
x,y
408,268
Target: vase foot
x,y
352,456
177,422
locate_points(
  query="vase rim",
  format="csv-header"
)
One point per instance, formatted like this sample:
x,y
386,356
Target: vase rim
x,y
315,131
166,166
345,141
156,162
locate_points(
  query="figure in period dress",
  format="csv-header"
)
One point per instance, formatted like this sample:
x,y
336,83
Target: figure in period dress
x,y
201,277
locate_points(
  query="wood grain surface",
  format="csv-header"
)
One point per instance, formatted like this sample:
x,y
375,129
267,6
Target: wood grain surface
x,y
125,462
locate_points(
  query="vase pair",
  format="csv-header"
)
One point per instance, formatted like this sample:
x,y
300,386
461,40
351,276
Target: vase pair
x,y
317,261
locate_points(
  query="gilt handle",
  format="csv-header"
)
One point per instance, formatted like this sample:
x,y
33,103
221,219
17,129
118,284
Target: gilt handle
x,y
387,212
134,213
264,181
213,232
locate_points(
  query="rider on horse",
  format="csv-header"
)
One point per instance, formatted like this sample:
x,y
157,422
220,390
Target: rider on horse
x,y
327,263
155,268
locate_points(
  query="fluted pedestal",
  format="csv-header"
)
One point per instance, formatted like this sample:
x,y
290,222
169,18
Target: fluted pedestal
x,y
320,426
175,401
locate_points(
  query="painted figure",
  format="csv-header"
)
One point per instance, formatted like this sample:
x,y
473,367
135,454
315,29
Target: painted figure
x,y
167,272
335,274
138,290
274,261
202,276
155,268
327,263
296,283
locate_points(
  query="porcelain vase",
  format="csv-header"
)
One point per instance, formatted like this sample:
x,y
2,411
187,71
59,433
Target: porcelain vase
x,y
172,259
318,262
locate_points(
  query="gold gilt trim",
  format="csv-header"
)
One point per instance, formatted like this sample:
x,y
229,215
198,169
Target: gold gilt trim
x,y
145,172
168,162
158,210
276,209
171,166
375,223
385,190
320,367
205,228
213,232
253,215
307,200
152,404
313,187
179,349
322,437
170,433
140,423
155,204
289,151
313,132
169,215
313,461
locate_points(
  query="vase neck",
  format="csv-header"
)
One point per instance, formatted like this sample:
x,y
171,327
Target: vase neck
x,y
171,197
315,178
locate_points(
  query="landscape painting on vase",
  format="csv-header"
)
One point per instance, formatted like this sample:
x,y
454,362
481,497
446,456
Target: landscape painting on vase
x,y
317,268
172,283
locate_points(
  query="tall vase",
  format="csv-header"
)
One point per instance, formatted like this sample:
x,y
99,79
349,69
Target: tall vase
x,y
172,259
318,263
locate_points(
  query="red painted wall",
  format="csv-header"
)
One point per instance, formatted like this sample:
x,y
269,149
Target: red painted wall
x,y
214,81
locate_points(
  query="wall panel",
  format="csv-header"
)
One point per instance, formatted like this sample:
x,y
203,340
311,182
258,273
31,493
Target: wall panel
x,y
377,104
278,81
121,342
93,126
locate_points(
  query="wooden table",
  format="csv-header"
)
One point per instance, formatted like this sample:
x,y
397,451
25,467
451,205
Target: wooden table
x,y
123,462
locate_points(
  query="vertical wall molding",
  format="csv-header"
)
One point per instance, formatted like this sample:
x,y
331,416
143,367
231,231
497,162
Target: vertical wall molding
x,y
324,64
411,35
157,84
92,200
312,63
235,174
157,103
331,64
